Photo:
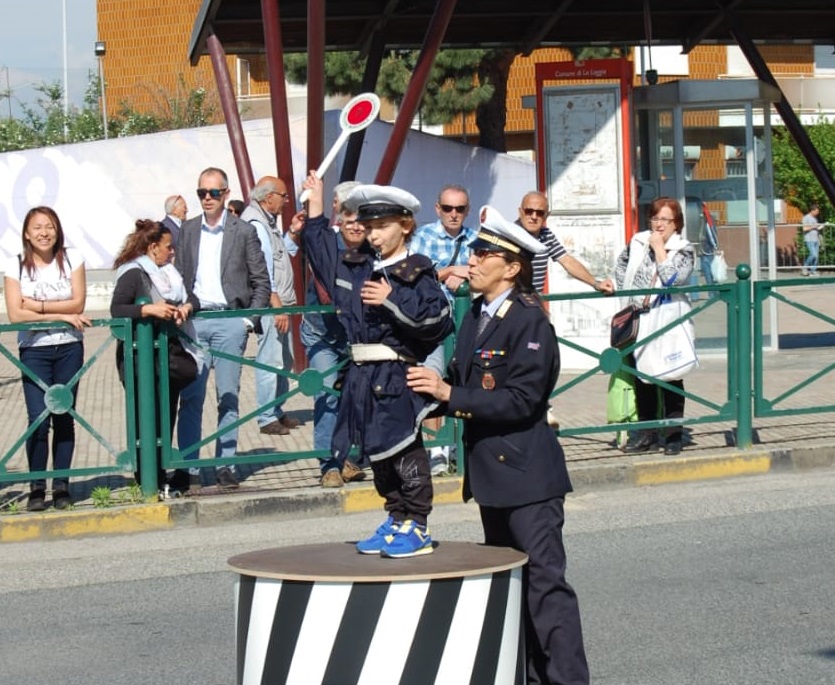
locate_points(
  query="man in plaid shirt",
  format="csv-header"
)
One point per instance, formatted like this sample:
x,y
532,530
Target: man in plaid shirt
x,y
446,241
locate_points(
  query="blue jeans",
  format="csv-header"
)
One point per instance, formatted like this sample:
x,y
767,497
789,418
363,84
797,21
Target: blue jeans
x,y
54,365
226,335
323,356
274,349
811,262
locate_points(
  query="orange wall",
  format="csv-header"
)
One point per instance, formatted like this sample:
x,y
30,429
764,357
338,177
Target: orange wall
x,y
147,52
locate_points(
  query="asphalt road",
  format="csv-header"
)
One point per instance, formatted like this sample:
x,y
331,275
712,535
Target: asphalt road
x,y
710,583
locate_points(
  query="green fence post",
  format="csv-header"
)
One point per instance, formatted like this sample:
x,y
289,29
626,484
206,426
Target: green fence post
x,y
146,403
460,308
743,298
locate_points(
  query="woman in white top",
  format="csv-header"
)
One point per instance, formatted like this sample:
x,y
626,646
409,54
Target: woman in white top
x,y
47,282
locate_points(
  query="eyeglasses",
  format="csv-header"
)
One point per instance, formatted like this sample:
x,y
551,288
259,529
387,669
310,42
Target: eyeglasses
x,y
286,196
662,220
348,223
482,254
530,211
214,193
446,209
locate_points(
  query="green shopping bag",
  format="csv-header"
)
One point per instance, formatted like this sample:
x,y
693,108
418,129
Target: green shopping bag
x,y
620,402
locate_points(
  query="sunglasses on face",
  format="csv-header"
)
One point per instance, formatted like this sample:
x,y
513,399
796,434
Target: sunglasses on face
x,y
482,254
446,209
530,211
214,193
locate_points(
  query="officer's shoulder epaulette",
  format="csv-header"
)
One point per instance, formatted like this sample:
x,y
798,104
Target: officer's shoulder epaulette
x,y
529,299
411,267
356,255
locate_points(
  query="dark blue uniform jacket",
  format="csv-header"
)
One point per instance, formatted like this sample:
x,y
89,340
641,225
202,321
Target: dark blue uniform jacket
x,y
512,456
377,411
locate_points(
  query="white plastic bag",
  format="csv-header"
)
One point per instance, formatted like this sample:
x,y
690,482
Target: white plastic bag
x,y
672,355
719,268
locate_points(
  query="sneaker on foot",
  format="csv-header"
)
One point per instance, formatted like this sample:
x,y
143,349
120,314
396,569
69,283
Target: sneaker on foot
x,y
332,479
410,540
439,461
381,537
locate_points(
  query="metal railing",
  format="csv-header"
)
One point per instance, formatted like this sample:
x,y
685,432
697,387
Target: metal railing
x,y
737,307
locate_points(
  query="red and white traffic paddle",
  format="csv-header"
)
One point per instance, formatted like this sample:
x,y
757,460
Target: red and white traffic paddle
x,y
355,116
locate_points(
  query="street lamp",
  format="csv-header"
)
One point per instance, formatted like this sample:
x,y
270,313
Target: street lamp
x,y
101,51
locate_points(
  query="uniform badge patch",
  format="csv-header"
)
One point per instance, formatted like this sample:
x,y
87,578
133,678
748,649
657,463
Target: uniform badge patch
x,y
488,381
533,346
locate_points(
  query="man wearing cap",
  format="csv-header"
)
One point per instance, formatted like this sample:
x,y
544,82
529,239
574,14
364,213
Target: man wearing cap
x,y
394,313
532,215
505,364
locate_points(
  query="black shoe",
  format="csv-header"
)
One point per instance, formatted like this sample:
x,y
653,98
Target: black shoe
x,y
37,501
642,442
180,481
226,478
673,448
61,499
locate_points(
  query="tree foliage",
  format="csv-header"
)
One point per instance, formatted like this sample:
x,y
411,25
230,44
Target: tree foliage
x,y
455,85
794,181
44,123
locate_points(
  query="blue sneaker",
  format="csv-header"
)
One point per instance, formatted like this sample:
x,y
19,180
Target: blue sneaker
x,y
409,540
382,536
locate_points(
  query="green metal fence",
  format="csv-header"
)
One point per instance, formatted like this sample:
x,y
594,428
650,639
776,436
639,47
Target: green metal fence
x,y
738,305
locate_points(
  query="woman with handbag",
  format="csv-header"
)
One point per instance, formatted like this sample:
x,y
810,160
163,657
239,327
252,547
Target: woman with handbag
x,y
660,256
144,270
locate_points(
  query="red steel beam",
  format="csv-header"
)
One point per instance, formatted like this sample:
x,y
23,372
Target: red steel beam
x,y
230,113
414,93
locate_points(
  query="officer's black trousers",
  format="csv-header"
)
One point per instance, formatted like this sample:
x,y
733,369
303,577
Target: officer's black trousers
x,y
553,633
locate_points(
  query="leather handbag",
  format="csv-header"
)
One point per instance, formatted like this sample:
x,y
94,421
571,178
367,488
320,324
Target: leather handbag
x,y
625,326
625,323
182,367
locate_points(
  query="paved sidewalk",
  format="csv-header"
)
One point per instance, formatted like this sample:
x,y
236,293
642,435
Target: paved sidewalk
x,y
291,489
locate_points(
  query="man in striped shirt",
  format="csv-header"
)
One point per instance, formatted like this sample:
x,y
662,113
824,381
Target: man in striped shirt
x,y
532,214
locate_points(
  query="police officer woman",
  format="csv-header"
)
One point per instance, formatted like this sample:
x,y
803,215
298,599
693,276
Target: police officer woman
x,y
505,365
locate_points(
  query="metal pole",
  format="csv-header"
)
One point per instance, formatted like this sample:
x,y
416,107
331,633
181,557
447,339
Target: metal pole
x,y
743,287
145,380
414,93
230,113
103,97
66,72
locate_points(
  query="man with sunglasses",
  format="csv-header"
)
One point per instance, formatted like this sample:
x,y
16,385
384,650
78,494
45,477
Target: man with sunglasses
x,y
532,215
275,347
223,268
446,242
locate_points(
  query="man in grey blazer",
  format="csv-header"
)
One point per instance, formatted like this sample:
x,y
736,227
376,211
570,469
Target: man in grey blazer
x,y
223,269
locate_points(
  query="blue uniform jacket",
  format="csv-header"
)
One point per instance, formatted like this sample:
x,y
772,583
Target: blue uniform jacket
x,y
501,384
377,412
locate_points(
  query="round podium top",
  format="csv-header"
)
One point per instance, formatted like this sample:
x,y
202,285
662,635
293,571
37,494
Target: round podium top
x,y
340,562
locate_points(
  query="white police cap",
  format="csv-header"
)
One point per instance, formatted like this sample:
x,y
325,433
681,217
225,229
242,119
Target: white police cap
x,y
374,202
500,235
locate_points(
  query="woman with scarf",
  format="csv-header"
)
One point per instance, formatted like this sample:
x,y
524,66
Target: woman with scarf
x,y
144,269
658,258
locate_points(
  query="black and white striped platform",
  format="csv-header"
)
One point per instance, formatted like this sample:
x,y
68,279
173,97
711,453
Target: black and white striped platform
x,y
324,614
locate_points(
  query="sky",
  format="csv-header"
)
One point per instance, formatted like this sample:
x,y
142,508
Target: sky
x,y
32,48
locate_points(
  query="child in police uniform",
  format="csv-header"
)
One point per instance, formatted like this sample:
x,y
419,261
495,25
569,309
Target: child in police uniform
x,y
393,309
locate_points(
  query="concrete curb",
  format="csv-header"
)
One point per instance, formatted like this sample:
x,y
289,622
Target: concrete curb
x,y
316,502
